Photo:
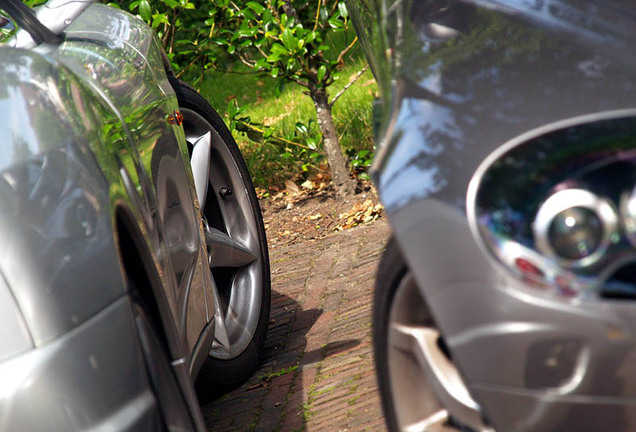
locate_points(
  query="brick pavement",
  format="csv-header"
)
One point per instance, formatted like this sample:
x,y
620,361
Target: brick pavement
x,y
317,373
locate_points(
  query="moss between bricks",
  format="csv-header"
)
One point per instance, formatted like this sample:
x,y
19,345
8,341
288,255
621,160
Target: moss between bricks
x,y
268,376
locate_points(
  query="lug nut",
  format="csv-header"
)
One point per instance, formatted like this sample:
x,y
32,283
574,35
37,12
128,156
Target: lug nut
x,y
225,192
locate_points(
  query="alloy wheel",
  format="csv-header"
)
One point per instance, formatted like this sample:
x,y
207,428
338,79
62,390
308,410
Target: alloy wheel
x,y
231,235
428,393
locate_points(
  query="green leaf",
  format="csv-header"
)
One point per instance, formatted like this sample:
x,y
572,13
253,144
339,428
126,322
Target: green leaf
x,y
171,3
301,127
335,22
158,19
311,36
261,63
278,49
144,10
342,8
324,14
232,109
288,39
259,9
322,71
312,143
246,32
274,72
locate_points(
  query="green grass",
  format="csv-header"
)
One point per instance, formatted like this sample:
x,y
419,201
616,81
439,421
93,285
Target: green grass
x,y
282,108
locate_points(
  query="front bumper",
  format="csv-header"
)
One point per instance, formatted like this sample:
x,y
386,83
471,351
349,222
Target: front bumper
x,y
532,360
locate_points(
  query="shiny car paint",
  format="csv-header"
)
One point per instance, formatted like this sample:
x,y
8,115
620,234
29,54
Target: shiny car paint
x,y
465,85
88,152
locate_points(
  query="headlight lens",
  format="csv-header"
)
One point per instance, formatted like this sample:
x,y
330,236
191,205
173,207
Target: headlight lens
x,y
575,233
575,227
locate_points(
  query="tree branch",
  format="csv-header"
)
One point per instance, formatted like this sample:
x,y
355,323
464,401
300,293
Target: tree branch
x,y
277,138
346,50
245,61
317,14
341,92
297,81
196,59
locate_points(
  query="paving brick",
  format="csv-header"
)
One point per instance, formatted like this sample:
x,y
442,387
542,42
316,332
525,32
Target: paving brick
x,y
322,295
293,418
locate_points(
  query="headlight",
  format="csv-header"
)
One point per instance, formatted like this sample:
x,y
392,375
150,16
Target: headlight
x,y
575,227
546,206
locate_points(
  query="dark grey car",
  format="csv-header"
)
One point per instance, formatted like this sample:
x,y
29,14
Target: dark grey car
x,y
507,165
133,257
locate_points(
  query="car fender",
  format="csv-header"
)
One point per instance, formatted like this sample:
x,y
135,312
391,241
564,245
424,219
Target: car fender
x,y
58,254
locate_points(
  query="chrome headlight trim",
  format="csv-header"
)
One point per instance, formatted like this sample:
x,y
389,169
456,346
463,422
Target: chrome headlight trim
x,y
569,199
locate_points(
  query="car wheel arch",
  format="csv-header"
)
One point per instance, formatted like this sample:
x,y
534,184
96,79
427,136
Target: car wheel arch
x,y
138,266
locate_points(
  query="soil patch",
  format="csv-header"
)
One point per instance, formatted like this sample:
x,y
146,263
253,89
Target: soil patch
x,y
313,210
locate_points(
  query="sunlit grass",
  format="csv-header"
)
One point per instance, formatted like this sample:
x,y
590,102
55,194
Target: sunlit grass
x,y
283,107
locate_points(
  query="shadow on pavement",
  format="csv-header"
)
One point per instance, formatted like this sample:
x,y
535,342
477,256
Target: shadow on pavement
x,y
276,392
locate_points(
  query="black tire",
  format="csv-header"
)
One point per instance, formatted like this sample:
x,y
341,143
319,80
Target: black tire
x,y
391,272
229,372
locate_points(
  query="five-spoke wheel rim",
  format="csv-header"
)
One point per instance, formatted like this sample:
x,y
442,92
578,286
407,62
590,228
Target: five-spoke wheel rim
x,y
231,233
426,388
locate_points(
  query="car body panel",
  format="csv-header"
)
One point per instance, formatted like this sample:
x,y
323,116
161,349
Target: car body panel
x,y
51,382
14,332
464,78
90,148
125,47
515,76
55,211
121,99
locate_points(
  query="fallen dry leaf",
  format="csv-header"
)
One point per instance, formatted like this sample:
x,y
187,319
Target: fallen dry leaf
x,y
292,188
362,212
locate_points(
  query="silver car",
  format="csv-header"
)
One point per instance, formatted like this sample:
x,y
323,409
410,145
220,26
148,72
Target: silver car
x,y
506,299
133,259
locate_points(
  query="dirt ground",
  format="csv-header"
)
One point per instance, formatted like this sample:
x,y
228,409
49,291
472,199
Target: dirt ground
x,y
312,210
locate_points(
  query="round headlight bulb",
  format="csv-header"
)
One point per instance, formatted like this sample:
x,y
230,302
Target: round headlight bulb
x,y
575,233
575,227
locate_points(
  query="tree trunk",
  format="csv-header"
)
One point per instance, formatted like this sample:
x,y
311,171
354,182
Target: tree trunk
x,y
344,184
